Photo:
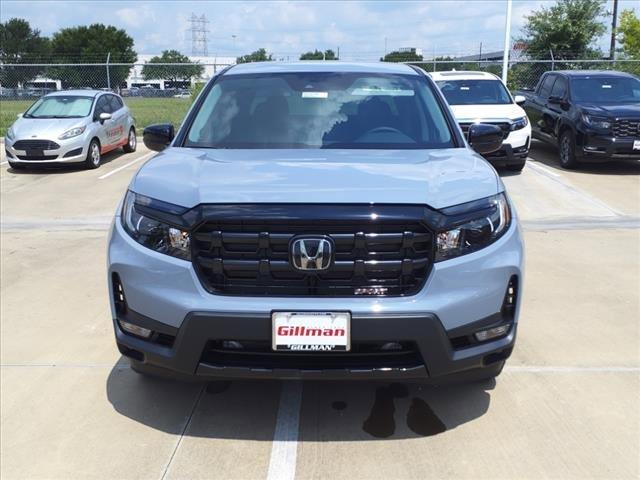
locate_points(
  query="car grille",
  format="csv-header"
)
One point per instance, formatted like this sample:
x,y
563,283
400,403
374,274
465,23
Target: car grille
x,y
258,354
35,145
36,158
626,128
251,257
504,126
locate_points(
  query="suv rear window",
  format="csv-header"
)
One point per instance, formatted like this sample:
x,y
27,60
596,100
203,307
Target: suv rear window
x,y
475,92
320,110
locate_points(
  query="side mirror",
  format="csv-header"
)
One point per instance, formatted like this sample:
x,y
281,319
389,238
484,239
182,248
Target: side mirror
x,y
159,136
485,138
104,117
520,99
555,99
19,115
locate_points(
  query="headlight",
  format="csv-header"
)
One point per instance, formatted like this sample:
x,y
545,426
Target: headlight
x,y
492,221
153,233
74,132
596,122
10,134
519,123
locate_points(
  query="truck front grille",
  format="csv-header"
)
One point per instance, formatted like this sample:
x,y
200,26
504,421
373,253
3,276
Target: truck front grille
x,y
626,128
373,257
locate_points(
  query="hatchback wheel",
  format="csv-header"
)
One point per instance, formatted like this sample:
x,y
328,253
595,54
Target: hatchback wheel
x,y
132,142
93,155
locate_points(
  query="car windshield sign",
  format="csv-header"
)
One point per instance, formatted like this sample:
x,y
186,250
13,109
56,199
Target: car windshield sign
x,y
474,92
60,106
320,110
606,89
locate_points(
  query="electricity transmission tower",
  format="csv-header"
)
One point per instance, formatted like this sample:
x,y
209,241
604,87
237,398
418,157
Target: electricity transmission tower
x,y
199,32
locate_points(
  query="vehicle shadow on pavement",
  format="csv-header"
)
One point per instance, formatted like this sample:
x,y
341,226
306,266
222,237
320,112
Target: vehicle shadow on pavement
x,y
329,411
548,155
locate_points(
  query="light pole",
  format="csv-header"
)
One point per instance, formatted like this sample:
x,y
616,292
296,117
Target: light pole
x,y
507,43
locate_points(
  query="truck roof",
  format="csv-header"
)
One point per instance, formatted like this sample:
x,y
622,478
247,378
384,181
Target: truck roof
x,y
593,73
321,66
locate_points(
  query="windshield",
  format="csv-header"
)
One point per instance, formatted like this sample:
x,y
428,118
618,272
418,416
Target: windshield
x,y
60,106
606,89
475,92
320,110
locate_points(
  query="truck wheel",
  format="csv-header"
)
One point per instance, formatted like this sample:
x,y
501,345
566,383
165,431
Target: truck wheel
x,y
132,142
93,155
568,150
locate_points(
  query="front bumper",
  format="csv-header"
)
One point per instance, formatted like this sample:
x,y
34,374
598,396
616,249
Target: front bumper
x,y
514,150
601,147
460,296
70,151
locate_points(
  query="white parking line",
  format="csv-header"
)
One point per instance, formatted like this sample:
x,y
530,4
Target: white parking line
x,y
540,168
284,449
106,175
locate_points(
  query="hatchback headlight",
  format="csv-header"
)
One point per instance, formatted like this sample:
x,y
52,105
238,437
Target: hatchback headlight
x,y
151,232
492,220
519,123
74,132
596,122
10,134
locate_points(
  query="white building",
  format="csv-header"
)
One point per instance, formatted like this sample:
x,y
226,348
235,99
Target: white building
x,y
212,65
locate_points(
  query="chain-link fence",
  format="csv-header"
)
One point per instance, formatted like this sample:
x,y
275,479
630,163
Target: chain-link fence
x,y
23,81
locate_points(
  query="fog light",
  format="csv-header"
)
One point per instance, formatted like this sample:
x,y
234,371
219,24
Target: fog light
x,y
135,329
484,335
232,345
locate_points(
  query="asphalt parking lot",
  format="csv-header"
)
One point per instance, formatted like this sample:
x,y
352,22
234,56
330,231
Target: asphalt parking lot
x,y
566,405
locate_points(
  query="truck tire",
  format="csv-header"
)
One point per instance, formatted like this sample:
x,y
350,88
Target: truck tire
x,y
568,150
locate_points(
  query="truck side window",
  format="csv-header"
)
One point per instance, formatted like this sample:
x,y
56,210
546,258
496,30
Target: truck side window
x,y
547,84
559,88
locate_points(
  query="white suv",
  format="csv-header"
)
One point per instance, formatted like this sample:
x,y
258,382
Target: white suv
x,y
481,97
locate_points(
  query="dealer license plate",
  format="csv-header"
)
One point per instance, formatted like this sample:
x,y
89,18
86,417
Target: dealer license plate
x,y
311,331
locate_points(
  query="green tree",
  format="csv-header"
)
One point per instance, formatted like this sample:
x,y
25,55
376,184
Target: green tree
x,y
402,56
173,73
259,55
629,34
569,29
318,55
92,44
19,43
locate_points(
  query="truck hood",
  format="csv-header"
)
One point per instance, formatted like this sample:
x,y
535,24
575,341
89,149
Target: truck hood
x,y
469,113
438,178
45,128
628,110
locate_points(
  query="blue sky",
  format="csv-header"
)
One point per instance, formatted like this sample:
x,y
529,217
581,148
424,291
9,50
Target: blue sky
x,y
286,29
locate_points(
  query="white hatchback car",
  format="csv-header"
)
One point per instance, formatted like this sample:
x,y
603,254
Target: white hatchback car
x,y
481,97
70,126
